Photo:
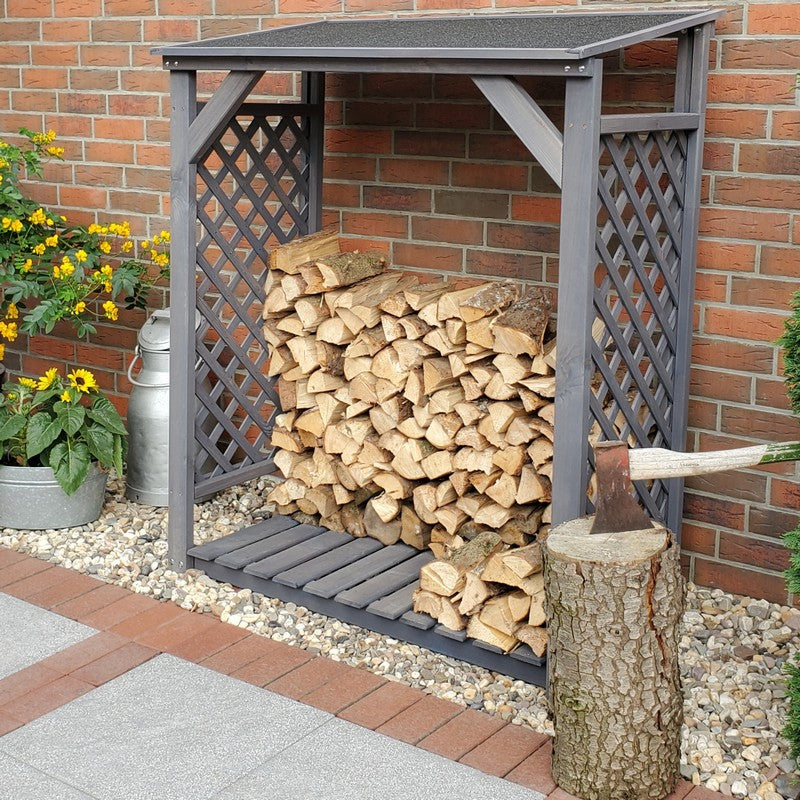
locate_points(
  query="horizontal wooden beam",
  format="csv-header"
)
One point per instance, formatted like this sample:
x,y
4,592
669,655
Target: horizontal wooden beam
x,y
642,123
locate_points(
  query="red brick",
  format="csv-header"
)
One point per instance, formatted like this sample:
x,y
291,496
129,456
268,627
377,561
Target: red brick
x,y
438,229
25,680
504,750
461,116
751,486
753,88
336,695
357,140
380,705
752,53
420,719
758,192
682,788
726,256
718,156
239,654
424,171
21,569
8,723
736,123
72,585
497,146
114,664
490,176
493,205
739,580
83,653
714,511
772,18
738,323
751,551
559,794
758,423
312,675
785,124
728,354
534,772
9,557
397,198
461,734
758,225
352,168
779,261
523,266
395,85
771,159
765,521
280,660
390,114
785,494
536,208
176,628
40,701
419,143
124,612
698,539
355,6
448,259
205,643
373,223
309,6
35,583
537,238
710,384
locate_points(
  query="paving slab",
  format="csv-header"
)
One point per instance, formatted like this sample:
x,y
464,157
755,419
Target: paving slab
x,y
31,633
21,781
168,729
344,760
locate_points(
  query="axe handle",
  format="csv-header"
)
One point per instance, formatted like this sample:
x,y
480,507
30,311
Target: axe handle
x,y
656,462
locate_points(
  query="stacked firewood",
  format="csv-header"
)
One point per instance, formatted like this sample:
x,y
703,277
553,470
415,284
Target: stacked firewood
x,y
417,413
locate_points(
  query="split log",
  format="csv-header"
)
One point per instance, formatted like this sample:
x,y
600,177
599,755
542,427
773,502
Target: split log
x,y
385,532
289,257
345,269
476,629
448,576
533,636
506,612
522,327
608,594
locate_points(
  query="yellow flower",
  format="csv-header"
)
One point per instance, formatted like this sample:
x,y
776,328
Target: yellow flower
x,y
65,396
153,254
79,308
11,311
38,217
8,330
145,243
156,240
28,383
49,221
81,256
2,351
82,380
105,247
26,267
165,235
67,268
51,241
48,379
161,260
127,246
93,228
106,270
56,271
16,225
56,151
107,286
111,310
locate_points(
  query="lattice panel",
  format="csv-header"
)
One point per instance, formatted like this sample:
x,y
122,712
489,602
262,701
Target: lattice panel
x,y
252,192
638,244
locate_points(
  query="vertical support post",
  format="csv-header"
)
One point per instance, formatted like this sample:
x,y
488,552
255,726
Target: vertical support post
x,y
690,96
577,262
183,218
313,92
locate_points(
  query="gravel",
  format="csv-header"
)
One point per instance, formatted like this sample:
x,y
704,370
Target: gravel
x,y
732,648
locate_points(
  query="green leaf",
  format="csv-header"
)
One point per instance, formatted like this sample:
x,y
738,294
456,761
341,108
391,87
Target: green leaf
x,y
57,455
43,430
71,417
119,454
103,412
12,426
101,444
72,465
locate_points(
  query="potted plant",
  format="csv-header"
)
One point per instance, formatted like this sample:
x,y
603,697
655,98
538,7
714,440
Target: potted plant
x,y
55,435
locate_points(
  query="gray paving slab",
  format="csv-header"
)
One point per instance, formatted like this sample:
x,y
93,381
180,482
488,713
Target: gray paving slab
x,y
22,782
342,761
29,633
168,729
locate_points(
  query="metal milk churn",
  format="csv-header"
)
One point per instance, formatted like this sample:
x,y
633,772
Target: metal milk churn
x,y
147,478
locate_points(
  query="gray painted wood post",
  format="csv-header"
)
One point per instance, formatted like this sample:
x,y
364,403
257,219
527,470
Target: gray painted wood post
x,y
577,262
183,216
690,95
313,92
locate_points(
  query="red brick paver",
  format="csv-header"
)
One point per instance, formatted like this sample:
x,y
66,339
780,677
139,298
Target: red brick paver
x,y
83,653
118,611
35,583
114,664
24,681
216,637
420,719
21,569
46,698
79,608
337,695
504,750
72,585
8,723
534,772
461,734
238,655
381,705
147,622
280,660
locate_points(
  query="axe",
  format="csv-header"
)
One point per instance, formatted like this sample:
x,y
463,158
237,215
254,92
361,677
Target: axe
x,y
616,466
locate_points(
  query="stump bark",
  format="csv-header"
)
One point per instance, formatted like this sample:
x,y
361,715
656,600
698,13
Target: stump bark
x,y
614,605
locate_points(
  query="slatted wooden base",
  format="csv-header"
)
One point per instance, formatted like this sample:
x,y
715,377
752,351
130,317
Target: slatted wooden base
x,y
356,580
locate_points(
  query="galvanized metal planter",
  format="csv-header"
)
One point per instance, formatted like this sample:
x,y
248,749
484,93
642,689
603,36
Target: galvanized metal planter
x,y
31,499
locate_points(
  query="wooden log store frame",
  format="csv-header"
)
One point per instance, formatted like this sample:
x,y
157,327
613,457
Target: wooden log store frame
x,y
630,193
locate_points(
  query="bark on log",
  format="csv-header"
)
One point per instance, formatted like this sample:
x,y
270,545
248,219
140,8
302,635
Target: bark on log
x,y
614,604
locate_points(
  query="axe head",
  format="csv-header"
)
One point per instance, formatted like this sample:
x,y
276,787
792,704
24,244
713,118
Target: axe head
x,y
616,510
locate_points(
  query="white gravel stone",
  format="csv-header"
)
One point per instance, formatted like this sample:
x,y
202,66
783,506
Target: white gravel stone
x,y
732,649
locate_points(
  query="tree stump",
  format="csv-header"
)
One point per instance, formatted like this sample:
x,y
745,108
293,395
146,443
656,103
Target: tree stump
x,y
614,605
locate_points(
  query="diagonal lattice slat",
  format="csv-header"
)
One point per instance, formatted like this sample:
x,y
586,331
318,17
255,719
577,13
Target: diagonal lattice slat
x,y
253,187
638,245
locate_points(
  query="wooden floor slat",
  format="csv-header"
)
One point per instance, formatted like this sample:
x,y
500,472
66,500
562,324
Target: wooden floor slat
x,y
327,563
353,574
269,546
242,538
396,604
328,541
387,582
421,622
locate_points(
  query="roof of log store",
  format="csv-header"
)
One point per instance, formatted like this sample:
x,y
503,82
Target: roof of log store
x,y
513,36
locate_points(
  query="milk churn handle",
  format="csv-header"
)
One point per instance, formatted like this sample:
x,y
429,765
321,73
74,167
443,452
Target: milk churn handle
x,y
136,357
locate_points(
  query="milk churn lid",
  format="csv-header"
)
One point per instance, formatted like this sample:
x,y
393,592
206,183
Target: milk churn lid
x,y
154,335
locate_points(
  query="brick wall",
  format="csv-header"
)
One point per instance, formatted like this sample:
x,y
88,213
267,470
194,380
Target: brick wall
x,y
423,168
